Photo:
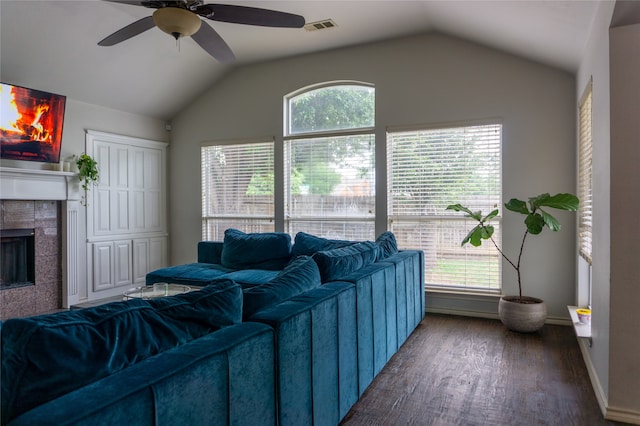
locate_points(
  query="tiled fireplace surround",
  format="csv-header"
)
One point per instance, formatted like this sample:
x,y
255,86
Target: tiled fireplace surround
x,y
46,295
46,201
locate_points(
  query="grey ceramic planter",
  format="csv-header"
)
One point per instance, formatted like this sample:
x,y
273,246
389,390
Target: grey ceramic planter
x,y
522,317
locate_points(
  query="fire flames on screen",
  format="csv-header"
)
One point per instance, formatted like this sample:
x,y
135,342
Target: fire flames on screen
x,y
30,124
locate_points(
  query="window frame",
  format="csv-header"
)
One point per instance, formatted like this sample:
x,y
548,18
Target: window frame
x,y
256,220
393,219
290,138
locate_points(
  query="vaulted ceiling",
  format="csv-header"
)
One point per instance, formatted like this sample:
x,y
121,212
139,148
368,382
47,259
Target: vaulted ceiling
x,y
52,45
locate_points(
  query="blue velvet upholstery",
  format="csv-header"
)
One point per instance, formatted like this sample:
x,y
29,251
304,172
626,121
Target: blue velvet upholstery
x,y
251,277
194,274
307,364
224,378
216,305
210,251
387,245
267,250
342,261
307,244
47,356
299,276
316,344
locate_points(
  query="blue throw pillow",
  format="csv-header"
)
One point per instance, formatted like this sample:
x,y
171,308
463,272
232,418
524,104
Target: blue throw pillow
x,y
47,356
339,262
307,244
267,250
299,276
387,245
217,305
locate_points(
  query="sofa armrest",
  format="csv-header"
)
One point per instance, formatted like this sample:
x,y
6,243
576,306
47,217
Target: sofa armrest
x,y
226,377
210,252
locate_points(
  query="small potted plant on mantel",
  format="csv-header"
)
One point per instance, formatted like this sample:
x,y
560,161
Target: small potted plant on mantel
x,y
520,313
88,173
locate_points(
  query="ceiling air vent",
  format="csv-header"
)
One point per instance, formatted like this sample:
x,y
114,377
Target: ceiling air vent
x,y
320,25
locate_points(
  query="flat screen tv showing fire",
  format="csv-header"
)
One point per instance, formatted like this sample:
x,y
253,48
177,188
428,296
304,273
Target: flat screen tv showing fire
x,y
30,124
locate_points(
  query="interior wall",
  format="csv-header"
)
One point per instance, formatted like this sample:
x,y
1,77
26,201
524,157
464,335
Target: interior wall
x,y
595,65
624,345
422,79
79,117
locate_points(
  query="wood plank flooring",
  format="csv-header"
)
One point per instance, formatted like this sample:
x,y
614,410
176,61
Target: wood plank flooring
x,y
471,371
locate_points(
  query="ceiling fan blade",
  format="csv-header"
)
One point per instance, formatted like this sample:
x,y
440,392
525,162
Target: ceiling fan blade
x,y
129,31
215,46
249,16
132,2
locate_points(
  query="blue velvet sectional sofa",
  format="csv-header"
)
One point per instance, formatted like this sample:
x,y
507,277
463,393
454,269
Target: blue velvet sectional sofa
x,y
277,334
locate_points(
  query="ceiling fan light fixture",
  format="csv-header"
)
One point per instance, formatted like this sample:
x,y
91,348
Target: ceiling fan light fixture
x,y
176,21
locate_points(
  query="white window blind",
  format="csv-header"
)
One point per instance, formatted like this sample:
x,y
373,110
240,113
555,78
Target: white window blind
x,y
585,193
330,186
428,169
329,161
237,188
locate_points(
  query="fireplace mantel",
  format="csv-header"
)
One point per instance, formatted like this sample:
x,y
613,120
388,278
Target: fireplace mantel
x,y
31,184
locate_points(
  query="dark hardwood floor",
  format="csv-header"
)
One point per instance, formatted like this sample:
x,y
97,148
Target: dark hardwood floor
x,y
471,371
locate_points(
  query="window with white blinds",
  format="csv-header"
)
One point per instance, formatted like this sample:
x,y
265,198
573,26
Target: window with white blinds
x,y
330,186
329,162
430,168
237,188
585,192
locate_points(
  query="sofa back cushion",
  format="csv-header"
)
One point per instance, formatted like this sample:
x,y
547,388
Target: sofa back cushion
x,y
300,275
267,250
387,245
339,262
47,356
307,244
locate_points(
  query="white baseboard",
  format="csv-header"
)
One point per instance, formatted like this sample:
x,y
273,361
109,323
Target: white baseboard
x,y
490,315
622,415
601,397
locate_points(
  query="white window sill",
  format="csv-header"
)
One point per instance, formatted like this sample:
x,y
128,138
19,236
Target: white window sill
x,y
582,330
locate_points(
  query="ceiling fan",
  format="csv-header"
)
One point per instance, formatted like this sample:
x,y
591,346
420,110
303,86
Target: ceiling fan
x,y
181,18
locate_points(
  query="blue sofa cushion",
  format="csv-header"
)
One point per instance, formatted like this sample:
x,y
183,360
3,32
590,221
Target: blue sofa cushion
x,y
217,305
267,250
251,277
387,245
307,244
339,262
47,356
198,274
299,276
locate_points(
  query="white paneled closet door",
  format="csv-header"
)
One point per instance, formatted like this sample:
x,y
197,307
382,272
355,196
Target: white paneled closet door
x,y
126,212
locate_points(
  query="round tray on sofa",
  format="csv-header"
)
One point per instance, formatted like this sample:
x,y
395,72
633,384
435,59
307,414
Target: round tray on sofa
x,y
155,290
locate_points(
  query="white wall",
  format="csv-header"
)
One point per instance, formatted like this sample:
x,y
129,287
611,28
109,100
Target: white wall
x,y
624,344
80,116
419,80
595,65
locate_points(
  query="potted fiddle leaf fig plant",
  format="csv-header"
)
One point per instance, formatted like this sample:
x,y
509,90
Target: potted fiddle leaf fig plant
x,y
520,313
88,173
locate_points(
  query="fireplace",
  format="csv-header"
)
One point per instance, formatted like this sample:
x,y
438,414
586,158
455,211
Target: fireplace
x,y
31,262
17,258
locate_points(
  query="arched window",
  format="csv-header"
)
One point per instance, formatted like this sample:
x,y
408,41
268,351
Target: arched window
x,y
329,162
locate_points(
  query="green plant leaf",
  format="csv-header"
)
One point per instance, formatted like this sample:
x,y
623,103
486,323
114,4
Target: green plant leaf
x,y
561,201
469,234
476,237
490,216
460,208
536,202
517,206
487,232
535,223
550,221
